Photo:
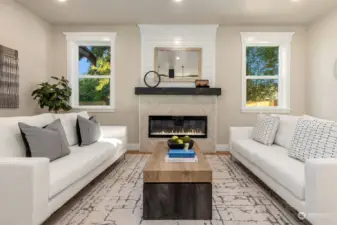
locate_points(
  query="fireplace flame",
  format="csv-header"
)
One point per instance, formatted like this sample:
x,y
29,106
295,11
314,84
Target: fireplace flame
x,y
179,132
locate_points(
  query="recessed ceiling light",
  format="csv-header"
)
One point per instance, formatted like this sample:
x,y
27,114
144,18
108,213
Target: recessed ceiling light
x,y
177,58
62,0
177,0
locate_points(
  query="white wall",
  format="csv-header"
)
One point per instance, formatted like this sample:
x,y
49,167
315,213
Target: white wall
x,y
322,84
25,32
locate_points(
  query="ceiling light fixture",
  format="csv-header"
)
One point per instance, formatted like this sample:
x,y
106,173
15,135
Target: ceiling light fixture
x,y
178,0
177,58
62,1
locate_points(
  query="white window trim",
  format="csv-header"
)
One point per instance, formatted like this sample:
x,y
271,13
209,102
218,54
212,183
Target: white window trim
x,y
283,41
74,39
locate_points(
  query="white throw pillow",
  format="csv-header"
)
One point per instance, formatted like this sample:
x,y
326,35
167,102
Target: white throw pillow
x,y
314,139
265,129
68,121
286,130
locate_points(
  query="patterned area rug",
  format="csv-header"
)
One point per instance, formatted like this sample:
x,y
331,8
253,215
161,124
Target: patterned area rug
x,y
115,198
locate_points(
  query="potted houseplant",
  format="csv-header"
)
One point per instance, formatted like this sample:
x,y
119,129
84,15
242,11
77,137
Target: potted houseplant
x,y
54,96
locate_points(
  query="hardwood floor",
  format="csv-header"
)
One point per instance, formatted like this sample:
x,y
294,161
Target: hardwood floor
x,y
135,152
149,153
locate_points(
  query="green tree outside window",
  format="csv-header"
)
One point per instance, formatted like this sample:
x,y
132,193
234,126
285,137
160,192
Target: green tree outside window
x,y
94,60
262,61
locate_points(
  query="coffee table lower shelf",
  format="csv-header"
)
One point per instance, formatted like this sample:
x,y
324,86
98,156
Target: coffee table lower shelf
x,y
177,201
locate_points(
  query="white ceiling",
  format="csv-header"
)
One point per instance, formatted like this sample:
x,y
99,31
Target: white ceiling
x,y
185,12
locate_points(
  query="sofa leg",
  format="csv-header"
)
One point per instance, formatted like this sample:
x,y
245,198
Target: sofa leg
x,y
232,158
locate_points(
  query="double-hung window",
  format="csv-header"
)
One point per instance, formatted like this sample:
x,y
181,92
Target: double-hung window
x,y
91,70
266,71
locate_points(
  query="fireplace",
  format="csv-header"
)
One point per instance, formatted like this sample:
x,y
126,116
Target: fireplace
x,y
168,126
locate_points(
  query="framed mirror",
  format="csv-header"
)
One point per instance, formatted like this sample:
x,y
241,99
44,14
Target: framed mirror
x,y
178,64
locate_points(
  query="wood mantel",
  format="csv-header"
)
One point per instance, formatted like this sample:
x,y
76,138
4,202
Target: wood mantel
x,y
178,91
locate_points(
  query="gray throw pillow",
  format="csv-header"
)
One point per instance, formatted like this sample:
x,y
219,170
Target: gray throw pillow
x,y
49,141
88,130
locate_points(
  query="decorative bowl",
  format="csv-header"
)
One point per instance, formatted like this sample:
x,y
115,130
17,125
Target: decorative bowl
x,y
173,145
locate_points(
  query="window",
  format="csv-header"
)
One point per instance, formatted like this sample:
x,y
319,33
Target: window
x,y
91,70
266,72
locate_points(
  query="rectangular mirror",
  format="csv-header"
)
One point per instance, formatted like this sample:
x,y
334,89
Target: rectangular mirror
x,y
178,64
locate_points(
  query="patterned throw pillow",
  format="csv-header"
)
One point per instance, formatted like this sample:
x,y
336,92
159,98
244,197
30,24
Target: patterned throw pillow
x,y
314,139
266,128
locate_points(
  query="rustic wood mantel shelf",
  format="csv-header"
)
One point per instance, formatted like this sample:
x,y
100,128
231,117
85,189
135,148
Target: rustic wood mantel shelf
x,y
177,91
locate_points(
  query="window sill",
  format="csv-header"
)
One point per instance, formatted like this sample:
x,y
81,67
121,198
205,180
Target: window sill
x,y
98,110
266,110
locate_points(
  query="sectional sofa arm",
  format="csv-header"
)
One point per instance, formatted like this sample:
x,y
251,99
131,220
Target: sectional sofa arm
x,y
239,133
320,191
119,132
24,190
113,131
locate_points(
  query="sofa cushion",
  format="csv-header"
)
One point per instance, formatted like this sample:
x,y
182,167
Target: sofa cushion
x,y
265,129
274,161
48,142
82,160
11,143
288,172
69,124
286,130
248,148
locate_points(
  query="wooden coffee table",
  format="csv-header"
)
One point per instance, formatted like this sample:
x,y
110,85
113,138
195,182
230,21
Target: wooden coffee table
x,y
177,191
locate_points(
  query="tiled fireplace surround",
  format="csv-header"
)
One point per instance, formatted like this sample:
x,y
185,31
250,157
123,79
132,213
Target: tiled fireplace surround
x,y
177,106
178,36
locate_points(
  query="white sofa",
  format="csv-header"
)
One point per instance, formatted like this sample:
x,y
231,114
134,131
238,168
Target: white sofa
x,y
308,187
32,189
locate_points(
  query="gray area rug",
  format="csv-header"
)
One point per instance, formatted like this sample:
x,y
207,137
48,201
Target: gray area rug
x,y
115,198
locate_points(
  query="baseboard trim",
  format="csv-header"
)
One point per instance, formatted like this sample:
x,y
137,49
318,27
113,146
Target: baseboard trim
x,y
133,147
222,148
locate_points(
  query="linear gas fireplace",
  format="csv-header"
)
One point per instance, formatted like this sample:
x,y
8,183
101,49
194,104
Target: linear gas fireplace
x,y
168,126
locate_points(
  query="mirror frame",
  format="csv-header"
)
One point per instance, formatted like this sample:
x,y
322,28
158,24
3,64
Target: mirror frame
x,y
179,79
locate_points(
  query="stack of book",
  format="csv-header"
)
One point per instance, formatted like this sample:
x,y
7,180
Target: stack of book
x,y
179,155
